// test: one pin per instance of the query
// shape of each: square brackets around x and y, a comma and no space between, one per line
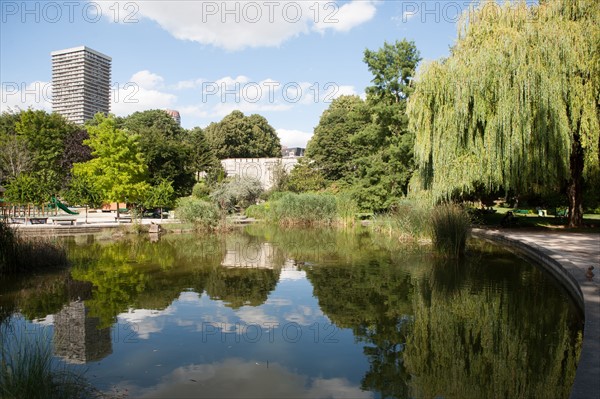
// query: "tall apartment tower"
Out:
[80,83]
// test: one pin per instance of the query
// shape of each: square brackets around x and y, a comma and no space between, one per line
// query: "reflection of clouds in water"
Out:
[278,302]
[250,315]
[236,378]
[304,315]
[292,275]
[189,296]
[145,321]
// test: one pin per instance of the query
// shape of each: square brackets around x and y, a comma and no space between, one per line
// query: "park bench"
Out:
[123,219]
[29,219]
[60,220]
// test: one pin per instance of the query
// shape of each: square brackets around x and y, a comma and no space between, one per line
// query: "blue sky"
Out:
[285,60]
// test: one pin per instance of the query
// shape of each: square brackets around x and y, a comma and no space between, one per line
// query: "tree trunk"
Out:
[574,190]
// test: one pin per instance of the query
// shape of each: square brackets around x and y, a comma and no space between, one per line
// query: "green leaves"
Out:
[513,102]
[240,136]
[118,170]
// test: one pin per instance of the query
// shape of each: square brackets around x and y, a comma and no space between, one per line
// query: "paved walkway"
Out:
[568,255]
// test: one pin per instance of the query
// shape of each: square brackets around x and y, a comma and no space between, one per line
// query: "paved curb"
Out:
[586,293]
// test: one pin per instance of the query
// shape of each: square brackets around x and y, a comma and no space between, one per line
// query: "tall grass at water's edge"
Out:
[447,226]
[451,225]
[18,254]
[28,370]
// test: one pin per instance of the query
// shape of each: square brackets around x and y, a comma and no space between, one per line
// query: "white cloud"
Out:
[147,80]
[293,138]
[140,93]
[346,17]
[235,25]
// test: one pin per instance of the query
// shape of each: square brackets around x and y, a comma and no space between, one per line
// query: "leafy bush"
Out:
[201,190]
[450,229]
[201,213]
[238,192]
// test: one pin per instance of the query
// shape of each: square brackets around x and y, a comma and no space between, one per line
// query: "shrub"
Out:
[238,192]
[201,190]
[201,213]
[450,229]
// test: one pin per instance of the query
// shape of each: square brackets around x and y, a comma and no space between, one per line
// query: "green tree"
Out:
[203,158]
[516,105]
[118,170]
[305,176]
[45,135]
[161,196]
[163,142]
[240,136]
[384,149]
[83,191]
[330,145]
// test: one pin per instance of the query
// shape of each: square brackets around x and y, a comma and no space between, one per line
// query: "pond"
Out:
[265,312]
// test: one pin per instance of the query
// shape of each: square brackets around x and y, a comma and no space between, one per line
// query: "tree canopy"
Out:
[166,151]
[516,105]
[118,170]
[365,146]
[240,136]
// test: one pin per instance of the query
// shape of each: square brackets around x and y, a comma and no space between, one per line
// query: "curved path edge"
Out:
[567,257]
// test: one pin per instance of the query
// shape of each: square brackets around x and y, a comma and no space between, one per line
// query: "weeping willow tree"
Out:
[516,105]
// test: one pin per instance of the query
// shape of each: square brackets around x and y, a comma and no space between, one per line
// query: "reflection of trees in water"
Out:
[237,287]
[502,334]
[142,274]
[485,327]
[471,329]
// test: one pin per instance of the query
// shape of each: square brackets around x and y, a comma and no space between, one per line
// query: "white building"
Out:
[262,169]
[80,83]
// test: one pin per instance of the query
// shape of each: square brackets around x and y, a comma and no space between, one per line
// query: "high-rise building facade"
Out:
[175,115]
[80,83]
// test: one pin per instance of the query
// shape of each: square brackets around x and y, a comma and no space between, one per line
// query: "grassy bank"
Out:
[19,254]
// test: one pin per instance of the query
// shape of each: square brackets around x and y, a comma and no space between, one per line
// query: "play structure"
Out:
[54,201]
[11,210]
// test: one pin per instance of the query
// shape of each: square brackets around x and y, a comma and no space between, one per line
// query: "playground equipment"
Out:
[54,201]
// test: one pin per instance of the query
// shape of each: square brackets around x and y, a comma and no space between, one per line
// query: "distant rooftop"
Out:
[80,48]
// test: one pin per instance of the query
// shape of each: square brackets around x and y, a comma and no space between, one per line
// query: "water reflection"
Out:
[241,378]
[78,337]
[333,314]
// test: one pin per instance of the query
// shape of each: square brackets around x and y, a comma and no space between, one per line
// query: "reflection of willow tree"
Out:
[241,286]
[490,340]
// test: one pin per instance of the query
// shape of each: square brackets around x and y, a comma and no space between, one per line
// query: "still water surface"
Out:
[277,313]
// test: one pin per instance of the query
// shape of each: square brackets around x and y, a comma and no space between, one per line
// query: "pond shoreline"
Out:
[567,256]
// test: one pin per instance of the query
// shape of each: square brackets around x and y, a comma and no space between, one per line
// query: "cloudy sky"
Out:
[285,60]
